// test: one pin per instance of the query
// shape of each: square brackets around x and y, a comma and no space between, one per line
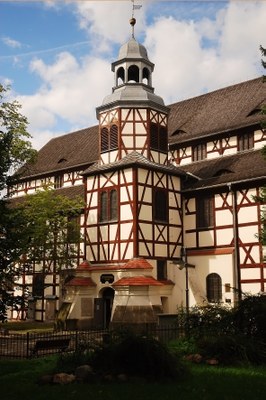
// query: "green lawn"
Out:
[18,380]
[28,326]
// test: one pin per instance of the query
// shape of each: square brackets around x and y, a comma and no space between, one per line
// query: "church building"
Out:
[170,215]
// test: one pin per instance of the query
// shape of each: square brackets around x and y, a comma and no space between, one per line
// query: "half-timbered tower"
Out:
[133,215]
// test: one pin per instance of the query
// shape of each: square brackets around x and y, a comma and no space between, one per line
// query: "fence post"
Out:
[28,344]
[76,341]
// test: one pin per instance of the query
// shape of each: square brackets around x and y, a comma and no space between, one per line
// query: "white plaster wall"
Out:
[250,273]
[125,229]
[224,236]
[251,288]
[247,214]
[125,212]
[145,212]
[223,217]
[146,230]
[222,264]
[206,238]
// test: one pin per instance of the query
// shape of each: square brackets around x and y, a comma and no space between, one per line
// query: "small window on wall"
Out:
[161,270]
[199,152]
[246,141]
[108,206]
[58,181]
[160,205]
[204,212]
[214,288]
[38,285]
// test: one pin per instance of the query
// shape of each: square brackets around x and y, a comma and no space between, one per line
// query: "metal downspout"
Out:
[238,293]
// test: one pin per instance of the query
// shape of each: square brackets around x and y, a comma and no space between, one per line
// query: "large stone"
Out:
[63,379]
[83,373]
[212,361]
[195,358]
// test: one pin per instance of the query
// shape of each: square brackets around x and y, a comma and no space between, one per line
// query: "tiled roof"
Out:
[84,266]
[137,281]
[166,282]
[71,192]
[137,263]
[237,168]
[75,149]
[81,282]
[133,159]
[225,109]
[134,263]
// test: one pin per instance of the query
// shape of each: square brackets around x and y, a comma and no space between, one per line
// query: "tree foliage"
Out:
[51,227]
[15,150]
[15,145]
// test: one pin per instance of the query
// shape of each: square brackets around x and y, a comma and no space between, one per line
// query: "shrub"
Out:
[126,353]
[250,317]
[232,349]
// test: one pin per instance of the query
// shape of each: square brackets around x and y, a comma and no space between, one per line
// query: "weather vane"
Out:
[133,20]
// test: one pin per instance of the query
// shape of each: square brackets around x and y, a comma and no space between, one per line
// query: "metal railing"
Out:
[19,345]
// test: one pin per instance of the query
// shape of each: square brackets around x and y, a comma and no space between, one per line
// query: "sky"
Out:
[56,55]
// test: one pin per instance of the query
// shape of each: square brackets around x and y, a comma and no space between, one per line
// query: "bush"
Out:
[127,353]
[250,317]
[232,349]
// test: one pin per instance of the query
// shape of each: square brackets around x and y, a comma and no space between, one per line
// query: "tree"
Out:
[49,226]
[15,150]
[51,229]
[15,145]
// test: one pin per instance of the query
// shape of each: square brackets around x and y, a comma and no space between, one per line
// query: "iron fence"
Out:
[19,345]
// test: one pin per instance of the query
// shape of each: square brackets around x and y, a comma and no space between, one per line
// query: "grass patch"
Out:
[26,326]
[18,380]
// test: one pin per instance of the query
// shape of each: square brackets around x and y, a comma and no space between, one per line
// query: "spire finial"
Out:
[133,20]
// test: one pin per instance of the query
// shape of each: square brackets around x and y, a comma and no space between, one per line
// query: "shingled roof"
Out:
[74,150]
[220,111]
[223,110]
[133,159]
[236,169]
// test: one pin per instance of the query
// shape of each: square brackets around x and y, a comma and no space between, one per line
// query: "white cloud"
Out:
[70,92]
[107,22]
[186,67]
[190,57]
[11,42]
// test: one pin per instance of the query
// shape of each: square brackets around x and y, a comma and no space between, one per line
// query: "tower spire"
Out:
[133,19]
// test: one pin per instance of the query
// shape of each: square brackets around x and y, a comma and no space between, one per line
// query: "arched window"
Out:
[104,139]
[146,76]
[113,137]
[109,138]
[133,74]
[158,137]
[120,76]
[214,288]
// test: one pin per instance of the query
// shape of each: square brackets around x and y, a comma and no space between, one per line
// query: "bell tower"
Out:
[133,117]
[132,222]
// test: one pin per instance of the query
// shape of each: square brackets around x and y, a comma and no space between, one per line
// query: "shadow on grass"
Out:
[18,380]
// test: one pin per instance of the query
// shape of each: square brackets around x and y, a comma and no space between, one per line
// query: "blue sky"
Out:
[56,54]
